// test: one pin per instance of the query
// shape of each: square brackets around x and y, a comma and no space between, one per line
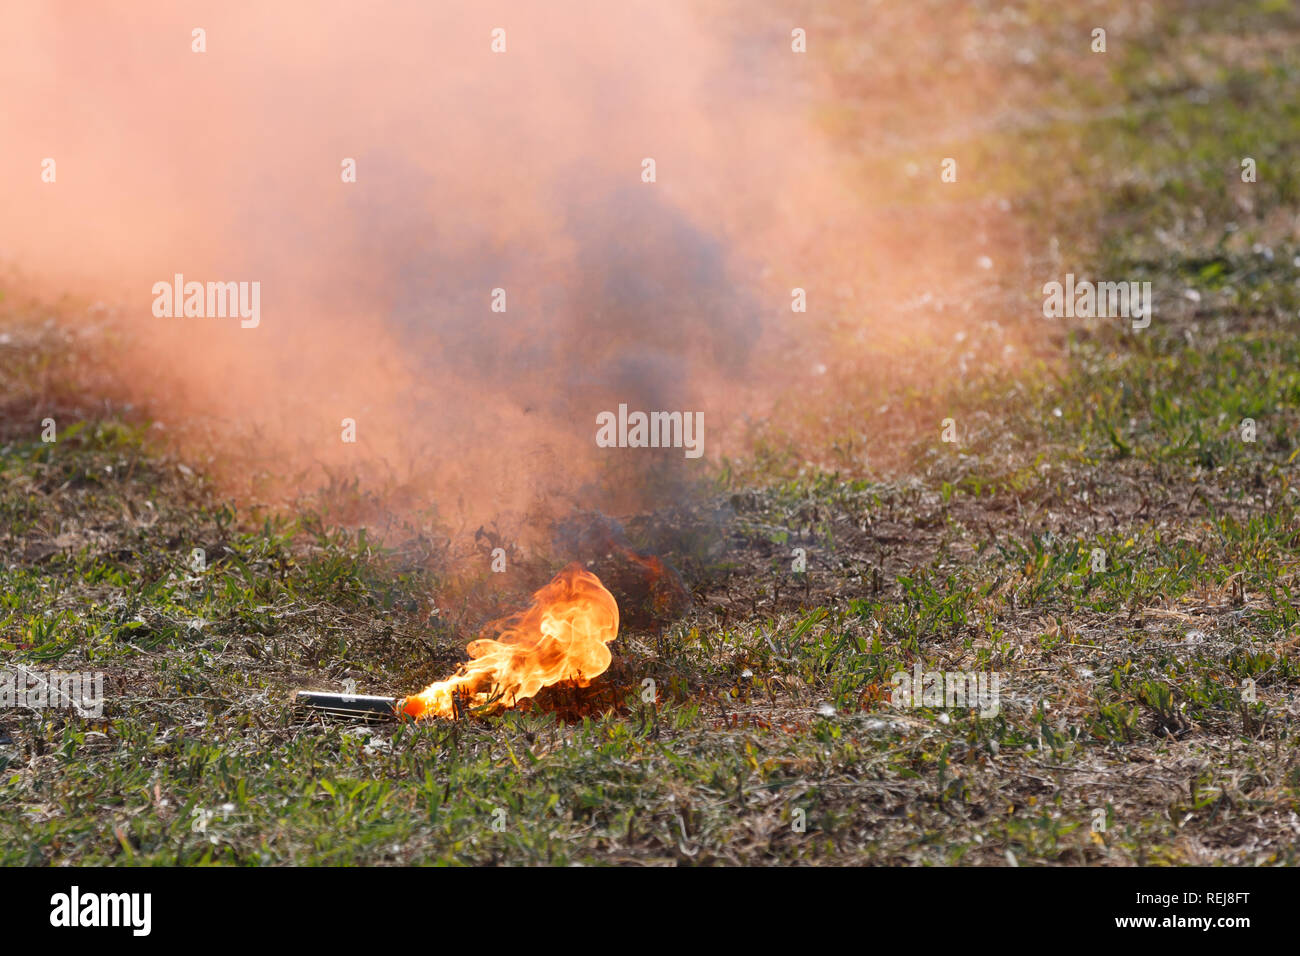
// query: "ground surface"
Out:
[1123,691]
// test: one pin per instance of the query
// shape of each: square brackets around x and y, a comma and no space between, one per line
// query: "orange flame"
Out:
[562,637]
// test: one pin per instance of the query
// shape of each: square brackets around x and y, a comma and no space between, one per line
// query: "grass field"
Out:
[1125,682]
